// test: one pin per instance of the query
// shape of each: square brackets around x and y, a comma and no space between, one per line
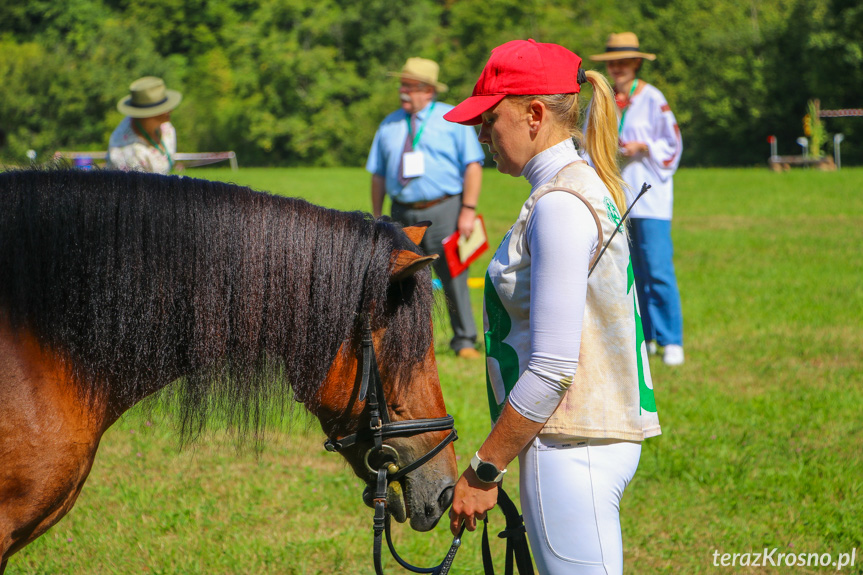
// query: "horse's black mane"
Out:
[140,279]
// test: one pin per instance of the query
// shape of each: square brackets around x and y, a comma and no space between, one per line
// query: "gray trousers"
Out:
[444,218]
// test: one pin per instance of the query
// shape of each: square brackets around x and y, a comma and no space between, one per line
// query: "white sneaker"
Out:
[652,348]
[672,355]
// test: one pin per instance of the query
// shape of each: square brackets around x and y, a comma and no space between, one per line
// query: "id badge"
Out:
[413,164]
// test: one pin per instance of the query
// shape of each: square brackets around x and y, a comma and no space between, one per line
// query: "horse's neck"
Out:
[37,381]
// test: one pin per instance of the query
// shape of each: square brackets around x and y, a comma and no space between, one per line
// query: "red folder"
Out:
[474,249]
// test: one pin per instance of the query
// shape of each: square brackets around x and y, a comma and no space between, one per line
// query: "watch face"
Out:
[487,472]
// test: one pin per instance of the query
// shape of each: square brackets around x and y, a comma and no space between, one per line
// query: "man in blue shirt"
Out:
[432,171]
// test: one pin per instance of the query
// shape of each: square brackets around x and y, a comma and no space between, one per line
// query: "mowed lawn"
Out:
[762,443]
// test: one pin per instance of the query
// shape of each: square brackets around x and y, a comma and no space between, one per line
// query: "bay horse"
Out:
[114,285]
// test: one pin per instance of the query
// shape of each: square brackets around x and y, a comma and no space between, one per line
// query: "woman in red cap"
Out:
[569,385]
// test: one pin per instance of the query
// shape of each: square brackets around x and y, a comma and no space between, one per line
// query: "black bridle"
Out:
[381,428]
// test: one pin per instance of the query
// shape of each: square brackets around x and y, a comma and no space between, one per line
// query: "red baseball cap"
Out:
[520,67]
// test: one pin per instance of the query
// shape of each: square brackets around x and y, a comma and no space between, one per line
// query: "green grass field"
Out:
[762,441]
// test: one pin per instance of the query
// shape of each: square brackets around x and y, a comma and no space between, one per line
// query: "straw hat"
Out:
[421,70]
[621,46]
[147,98]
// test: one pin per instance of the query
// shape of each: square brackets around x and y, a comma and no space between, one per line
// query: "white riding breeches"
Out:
[570,498]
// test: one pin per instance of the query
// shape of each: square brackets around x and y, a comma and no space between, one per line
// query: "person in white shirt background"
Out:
[650,143]
[145,140]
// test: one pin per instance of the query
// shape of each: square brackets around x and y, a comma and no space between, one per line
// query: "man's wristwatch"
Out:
[486,472]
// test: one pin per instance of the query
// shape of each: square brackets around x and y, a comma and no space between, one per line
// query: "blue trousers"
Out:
[655,281]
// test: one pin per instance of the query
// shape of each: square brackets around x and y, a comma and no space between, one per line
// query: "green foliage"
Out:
[303,82]
[816,134]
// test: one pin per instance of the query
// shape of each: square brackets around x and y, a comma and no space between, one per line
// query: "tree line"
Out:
[303,82]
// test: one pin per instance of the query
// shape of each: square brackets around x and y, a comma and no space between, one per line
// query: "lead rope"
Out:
[516,539]
[441,569]
[381,521]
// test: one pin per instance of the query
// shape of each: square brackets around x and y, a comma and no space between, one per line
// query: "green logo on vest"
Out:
[647,400]
[499,326]
[611,209]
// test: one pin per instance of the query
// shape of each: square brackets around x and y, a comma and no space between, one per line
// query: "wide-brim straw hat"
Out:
[421,70]
[621,46]
[148,97]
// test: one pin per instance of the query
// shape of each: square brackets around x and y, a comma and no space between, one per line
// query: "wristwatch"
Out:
[486,471]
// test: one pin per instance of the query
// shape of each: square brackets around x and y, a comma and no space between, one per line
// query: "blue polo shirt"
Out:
[447,150]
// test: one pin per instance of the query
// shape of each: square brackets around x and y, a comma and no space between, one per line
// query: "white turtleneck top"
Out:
[562,238]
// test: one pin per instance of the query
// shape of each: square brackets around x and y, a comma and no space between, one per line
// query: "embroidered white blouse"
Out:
[129,151]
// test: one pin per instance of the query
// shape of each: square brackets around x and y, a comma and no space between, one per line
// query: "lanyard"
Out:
[162,148]
[422,126]
[628,100]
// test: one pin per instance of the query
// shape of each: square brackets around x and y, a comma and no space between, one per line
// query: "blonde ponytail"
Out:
[601,140]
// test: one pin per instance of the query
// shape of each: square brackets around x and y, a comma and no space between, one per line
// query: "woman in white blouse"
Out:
[651,145]
[145,140]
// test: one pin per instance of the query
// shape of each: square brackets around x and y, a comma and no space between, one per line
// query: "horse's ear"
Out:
[416,232]
[405,263]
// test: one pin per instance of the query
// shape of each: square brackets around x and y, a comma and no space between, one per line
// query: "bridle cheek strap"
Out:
[380,428]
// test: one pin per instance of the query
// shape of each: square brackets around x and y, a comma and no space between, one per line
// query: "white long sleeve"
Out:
[562,239]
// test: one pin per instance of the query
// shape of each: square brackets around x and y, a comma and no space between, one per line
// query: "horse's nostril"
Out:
[445,499]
